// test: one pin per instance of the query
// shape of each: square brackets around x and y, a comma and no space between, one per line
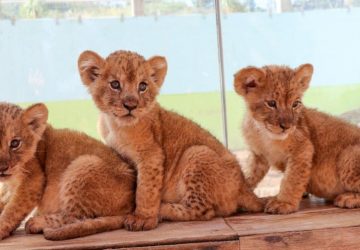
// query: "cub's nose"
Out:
[130,107]
[284,125]
[130,103]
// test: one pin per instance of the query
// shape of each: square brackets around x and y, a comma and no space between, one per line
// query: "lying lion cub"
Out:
[318,153]
[72,178]
[179,163]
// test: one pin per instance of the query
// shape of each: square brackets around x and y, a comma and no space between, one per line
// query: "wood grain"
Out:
[165,234]
[317,220]
[325,239]
[223,245]
[312,216]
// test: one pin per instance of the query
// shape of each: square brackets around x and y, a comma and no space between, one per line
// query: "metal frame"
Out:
[221,72]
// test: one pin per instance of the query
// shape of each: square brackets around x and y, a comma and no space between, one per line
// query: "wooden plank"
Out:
[312,216]
[326,239]
[165,234]
[222,245]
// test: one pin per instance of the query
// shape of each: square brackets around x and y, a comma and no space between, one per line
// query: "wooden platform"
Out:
[317,226]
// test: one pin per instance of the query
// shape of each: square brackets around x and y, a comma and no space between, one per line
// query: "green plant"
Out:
[234,6]
[32,9]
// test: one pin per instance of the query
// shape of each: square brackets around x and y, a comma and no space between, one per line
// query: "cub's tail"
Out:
[84,228]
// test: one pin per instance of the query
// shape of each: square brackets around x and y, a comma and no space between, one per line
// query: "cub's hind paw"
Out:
[139,223]
[275,206]
[348,200]
[35,225]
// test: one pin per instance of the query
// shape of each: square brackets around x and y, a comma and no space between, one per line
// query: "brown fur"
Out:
[318,153]
[69,176]
[183,171]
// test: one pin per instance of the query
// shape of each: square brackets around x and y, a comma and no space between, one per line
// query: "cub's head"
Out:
[20,132]
[124,85]
[273,96]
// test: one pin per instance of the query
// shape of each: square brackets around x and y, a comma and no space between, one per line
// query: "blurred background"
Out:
[40,41]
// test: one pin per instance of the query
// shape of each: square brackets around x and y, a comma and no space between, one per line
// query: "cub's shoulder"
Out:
[171,118]
[179,126]
[68,137]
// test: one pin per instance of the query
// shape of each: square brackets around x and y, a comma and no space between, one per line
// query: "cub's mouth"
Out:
[4,175]
[128,115]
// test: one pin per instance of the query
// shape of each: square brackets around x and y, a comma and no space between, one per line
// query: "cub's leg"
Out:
[294,183]
[150,174]
[5,195]
[209,188]
[89,189]
[348,168]
[24,199]
[256,169]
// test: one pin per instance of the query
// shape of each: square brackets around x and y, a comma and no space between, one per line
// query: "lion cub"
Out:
[184,173]
[318,153]
[72,178]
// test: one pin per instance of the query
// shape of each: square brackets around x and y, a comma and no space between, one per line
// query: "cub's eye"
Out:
[15,144]
[271,104]
[296,104]
[142,86]
[115,85]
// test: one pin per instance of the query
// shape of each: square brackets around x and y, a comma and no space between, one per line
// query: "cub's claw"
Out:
[35,225]
[139,223]
[275,206]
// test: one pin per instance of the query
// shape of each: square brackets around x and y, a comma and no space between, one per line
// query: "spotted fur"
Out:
[318,153]
[79,185]
[184,173]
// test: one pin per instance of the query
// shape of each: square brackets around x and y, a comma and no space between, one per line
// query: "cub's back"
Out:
[329,134]
[65,145]
[179,133]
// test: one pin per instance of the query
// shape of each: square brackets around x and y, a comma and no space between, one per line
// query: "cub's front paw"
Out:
[139,223]
[35,225]
[275,206]
[348,200]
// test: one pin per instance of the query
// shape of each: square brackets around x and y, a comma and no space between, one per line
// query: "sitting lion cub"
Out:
[318,153]
[179,163]
[72,178]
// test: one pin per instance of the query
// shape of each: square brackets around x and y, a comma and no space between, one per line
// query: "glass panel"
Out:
[41,41]
[324,33]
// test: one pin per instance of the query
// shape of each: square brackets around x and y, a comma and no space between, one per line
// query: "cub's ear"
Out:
[248,79]
[89,65]
[303,75]
[36,117]
[158,66]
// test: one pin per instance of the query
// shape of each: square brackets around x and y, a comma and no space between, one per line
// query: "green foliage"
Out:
[32,9]
[160,7]
[233,6]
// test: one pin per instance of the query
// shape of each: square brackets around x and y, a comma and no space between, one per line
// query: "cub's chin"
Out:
[126,120]
[272,133]
[280,135]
